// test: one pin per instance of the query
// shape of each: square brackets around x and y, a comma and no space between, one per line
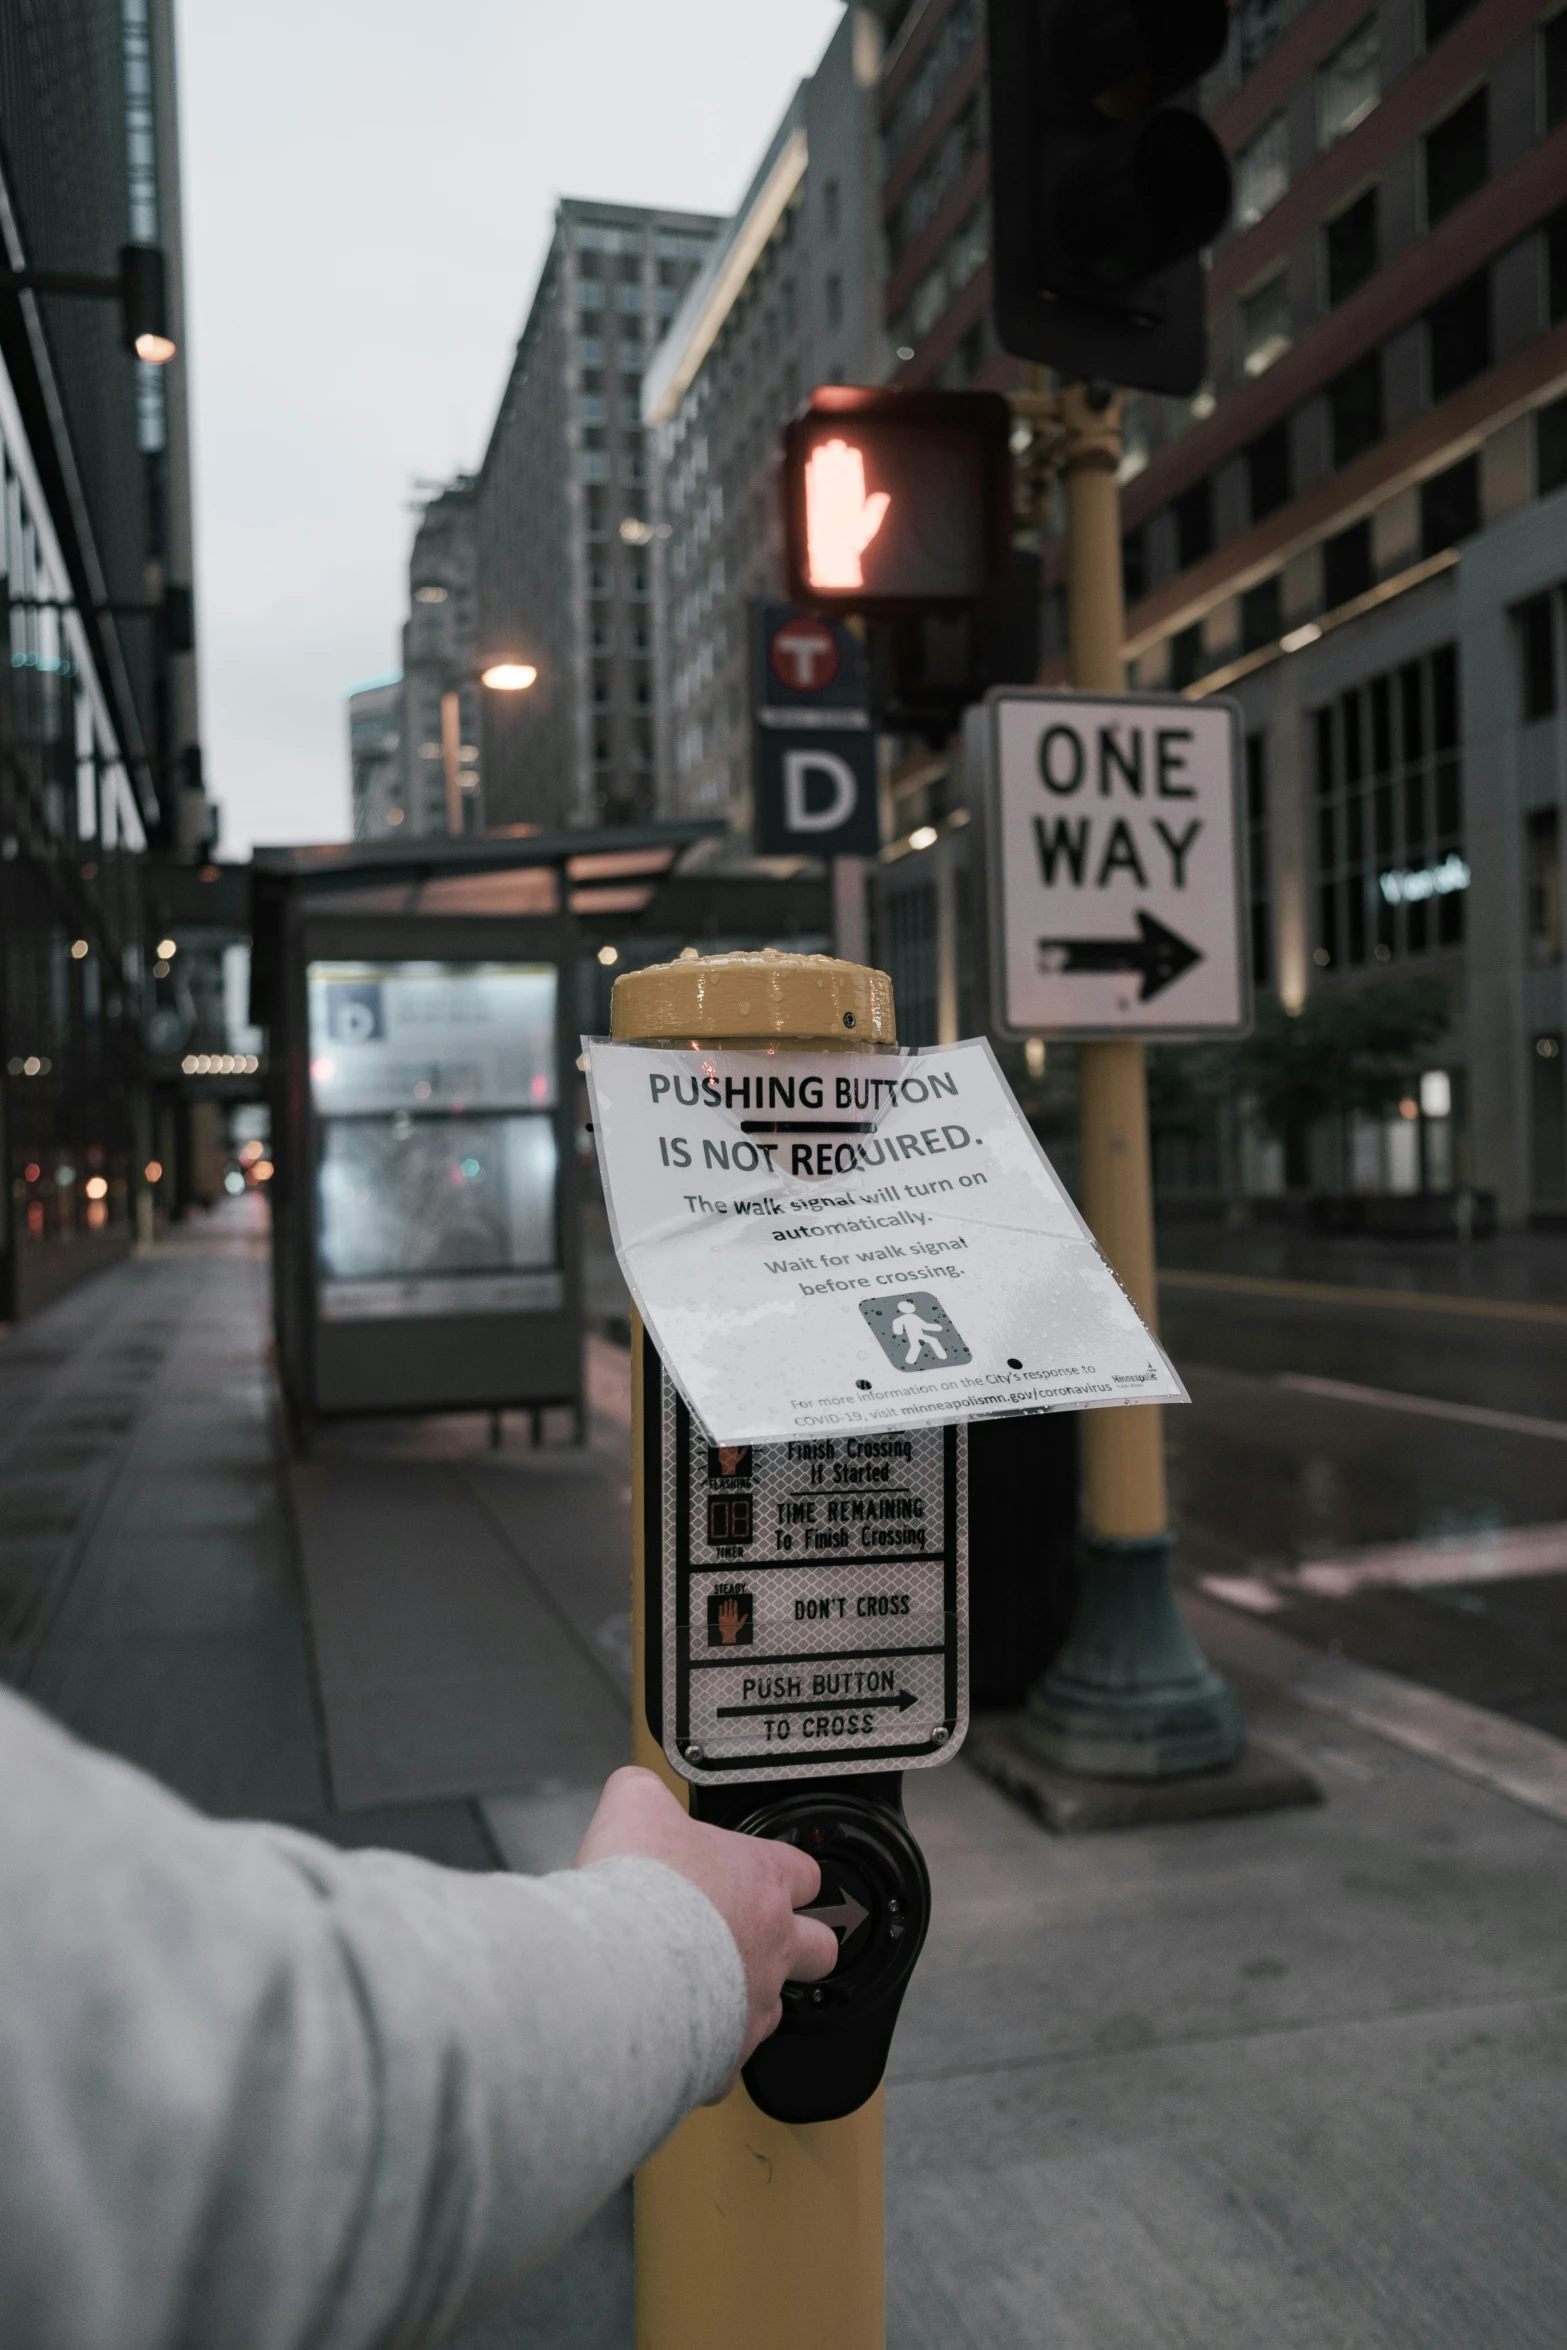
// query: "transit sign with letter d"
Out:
[1115,855]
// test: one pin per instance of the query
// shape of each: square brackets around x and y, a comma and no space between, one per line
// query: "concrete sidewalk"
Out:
[1291,2080]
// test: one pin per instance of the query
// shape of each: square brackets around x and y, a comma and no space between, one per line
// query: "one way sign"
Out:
[1116,863]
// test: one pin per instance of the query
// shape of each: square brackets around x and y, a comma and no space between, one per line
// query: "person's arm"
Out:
[260,2093]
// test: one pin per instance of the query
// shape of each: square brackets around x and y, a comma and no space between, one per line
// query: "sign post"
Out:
[841,1255]
[749,2227]
[817,789]
[1131,1695]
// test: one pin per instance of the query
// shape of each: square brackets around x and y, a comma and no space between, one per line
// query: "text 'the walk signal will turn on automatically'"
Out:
[1103,193]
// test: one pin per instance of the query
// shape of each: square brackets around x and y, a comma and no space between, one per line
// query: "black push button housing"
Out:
[830,2051]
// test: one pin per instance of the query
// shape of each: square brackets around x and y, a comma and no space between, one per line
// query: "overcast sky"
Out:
[369,186]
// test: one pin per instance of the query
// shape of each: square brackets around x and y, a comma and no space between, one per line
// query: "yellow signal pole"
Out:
[1132,1695]
[751,2234]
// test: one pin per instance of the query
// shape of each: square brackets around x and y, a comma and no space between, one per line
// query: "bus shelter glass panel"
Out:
[435,1093]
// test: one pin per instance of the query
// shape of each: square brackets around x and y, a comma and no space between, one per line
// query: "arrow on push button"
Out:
[845,1916]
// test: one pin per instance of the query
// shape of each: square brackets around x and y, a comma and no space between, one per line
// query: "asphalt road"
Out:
[1371,1427]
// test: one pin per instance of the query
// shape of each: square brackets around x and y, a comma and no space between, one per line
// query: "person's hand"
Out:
[755,1884]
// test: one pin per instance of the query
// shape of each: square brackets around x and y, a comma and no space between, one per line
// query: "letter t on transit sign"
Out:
[1115,851]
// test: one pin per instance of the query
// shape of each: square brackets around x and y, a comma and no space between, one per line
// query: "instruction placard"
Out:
[832,1244]
[813,1597]
[1116,841]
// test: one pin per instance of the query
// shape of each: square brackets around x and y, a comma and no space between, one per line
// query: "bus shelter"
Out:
[422,1010]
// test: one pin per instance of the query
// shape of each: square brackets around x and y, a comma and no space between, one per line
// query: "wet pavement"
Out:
[1301,1445]
[1295,2078]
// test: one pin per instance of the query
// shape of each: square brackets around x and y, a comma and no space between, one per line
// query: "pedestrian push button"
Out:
[830,2050]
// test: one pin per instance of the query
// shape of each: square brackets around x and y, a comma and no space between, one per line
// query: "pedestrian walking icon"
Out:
[916,1333]
[919,1333]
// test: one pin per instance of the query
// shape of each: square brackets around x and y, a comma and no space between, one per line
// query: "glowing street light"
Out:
[509,677]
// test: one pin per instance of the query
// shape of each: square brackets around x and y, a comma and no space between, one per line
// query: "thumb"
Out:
[871,516]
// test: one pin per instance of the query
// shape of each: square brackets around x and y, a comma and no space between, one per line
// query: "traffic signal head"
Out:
[1102,194]
[897,501]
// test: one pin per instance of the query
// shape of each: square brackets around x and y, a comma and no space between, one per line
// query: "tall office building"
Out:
[375,759]
[1355,527]
[99,762]
[562,531]
[789,297]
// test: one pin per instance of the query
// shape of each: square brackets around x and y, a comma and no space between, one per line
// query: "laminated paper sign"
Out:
[831,1244]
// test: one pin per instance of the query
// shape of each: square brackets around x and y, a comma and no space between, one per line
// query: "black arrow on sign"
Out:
[1159,954]
[902,1701]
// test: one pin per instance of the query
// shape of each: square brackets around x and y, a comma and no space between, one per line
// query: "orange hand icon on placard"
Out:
[729,1621]
[840,518]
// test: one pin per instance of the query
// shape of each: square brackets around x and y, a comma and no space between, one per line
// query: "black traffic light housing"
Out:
[897,502]
[1103,194]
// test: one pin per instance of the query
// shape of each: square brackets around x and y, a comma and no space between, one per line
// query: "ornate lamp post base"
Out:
[1131,1696]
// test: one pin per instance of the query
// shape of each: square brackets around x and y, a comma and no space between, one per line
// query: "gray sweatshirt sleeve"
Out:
[260,2093]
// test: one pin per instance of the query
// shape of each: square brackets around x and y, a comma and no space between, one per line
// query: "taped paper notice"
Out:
[831,1243]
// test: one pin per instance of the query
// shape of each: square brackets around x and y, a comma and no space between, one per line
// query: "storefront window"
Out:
[1392,873]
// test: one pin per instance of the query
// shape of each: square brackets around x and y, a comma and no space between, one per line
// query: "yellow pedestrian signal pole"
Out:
[751,2234]
[1132,1695]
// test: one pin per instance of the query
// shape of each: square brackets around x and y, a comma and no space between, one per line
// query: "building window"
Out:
[1355,408]
[1458,157]
[1134,565]
[1553,61]
[1262,614]
[1259,867]
[1347,85]
[1450,506]
[1268,470]
[1187,658]
[1441,16]
[1265,324]
[1534,625]
[590,294]
[1549,1105]
[1543,867]
[909,945]
[1550,447]
[1262,173]
[830,207]
[1350,248]
[833,293]
[1556,266]
[1458,335]
[1346,565]
[1194,523]
[1258,24]
[1391,869]
[594,465]
[932,76]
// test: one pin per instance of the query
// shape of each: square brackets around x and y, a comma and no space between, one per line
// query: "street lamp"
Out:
[141,290]
[501,677]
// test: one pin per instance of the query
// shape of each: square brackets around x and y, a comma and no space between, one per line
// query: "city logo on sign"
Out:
[803,655]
